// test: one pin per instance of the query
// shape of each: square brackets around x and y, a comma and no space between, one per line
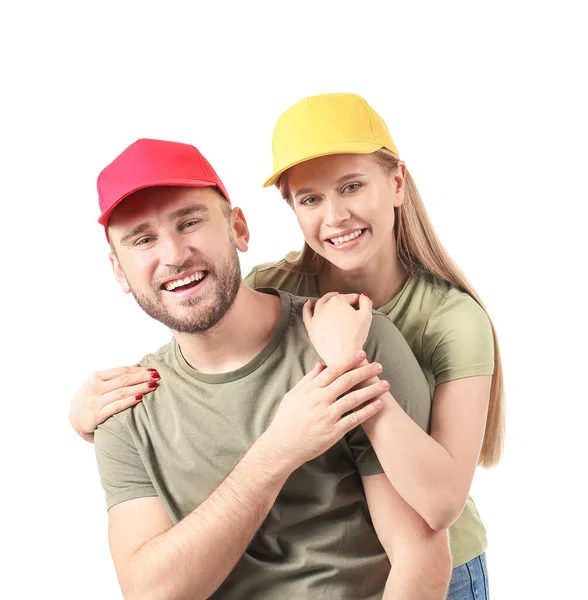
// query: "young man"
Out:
[245,474]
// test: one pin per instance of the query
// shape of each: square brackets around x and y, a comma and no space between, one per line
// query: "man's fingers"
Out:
[359,416]
[312,374]
[332,372]
[349,380]
[356,398]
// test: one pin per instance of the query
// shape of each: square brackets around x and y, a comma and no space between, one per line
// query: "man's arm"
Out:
[190,560]
[154,560]
[420,556]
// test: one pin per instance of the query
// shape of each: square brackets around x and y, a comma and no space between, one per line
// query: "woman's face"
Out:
[345,207]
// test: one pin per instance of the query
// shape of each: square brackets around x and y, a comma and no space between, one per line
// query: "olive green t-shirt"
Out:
[451,337]
[187,435]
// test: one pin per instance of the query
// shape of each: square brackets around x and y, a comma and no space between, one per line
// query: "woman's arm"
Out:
[432,473]
[106,393]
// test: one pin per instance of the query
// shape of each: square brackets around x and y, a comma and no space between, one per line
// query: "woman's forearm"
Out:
[423,472]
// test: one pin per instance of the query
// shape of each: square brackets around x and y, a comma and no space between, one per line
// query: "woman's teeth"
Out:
[345,238]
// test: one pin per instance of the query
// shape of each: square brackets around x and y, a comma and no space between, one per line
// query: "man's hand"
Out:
[337,328]
[321,409]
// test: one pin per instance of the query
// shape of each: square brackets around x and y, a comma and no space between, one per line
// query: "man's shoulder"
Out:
[161,360]
[163,355]
[383,329]
[276,274]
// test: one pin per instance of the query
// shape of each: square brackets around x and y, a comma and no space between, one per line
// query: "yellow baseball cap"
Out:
[327,124]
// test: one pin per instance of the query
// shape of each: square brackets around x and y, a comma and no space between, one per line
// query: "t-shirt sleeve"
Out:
[458,340]
[365,456]
[408,383]
[121,469]
[408,386]
[250,279]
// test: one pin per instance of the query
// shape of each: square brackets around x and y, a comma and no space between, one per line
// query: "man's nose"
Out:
[175,250]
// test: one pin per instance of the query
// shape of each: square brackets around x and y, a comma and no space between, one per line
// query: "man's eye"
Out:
[143,241]
[190,223]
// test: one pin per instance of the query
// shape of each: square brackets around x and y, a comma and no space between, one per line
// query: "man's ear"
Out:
[118,273]
[399,183]
[240,230]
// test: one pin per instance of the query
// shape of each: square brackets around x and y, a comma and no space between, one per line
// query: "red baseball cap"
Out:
[150,163]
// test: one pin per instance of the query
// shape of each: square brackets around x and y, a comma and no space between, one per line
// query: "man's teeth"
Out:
[172,285]
[346,238]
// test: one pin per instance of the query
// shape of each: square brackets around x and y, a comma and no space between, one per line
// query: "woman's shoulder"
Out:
[457,336]
[437,297]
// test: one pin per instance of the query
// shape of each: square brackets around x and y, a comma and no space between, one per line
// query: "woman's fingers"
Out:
[109,374]
[113,407]
[124,379]
[307,315]
[123,393]
[365,303]
[324,299]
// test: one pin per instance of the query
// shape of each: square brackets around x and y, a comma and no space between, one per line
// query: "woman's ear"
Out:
[399,183]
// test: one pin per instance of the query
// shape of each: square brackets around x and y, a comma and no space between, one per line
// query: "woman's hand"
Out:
[106,393]
[336,329]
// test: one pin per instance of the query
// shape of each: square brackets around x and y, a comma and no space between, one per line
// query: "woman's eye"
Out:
[351,187]
[309,201]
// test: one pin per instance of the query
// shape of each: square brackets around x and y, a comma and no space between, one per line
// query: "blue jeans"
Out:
[470,581]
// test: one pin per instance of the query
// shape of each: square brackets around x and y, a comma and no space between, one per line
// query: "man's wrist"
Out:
[268,454]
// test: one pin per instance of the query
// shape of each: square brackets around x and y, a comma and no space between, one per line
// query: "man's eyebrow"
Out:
[133,232]
[339,181]
[189,210]
[182,212]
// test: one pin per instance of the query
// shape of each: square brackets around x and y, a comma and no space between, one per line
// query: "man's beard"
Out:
[226,287]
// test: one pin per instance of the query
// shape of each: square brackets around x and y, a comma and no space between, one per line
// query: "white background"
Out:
[487,104]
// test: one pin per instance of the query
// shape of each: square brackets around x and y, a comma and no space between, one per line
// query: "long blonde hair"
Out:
[419,250]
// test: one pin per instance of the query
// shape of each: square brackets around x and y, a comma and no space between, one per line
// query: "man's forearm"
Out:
[195,556]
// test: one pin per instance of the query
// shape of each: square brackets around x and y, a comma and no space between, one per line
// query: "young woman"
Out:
[366,231]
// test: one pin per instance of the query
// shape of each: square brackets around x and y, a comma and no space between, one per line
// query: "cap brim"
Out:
[342,148]
[103,220]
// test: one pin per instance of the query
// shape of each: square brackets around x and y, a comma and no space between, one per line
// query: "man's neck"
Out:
[241,335]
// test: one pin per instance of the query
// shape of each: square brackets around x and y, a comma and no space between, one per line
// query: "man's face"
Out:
[175,250]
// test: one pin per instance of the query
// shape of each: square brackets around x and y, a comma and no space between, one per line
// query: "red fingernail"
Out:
[138,396]
[152,385]
[155,375]
[364,294]
[152,370]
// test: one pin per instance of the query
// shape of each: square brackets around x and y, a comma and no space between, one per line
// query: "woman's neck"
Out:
[381,279]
